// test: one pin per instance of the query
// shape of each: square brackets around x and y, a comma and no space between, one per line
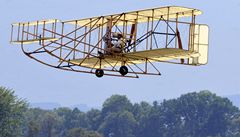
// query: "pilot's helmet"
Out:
[120,36]
[117,35]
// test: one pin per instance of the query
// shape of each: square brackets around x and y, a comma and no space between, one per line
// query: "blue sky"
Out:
[38,83]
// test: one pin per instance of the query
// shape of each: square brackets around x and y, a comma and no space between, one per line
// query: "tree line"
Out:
[197,114]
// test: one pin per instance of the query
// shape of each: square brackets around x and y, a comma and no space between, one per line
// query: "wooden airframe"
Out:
[166,34]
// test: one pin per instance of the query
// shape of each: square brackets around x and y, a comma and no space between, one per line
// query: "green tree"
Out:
[214,113]
[33,120]
[11,113]
[197,114]
[94,119]
[80,132]
[141,110]
[121,124]
[64,115]
[118,120]
[50,124]
[150,123]
[33,129]
[116,103]
[63,112]
[234,127]
[76,119]
[201,114]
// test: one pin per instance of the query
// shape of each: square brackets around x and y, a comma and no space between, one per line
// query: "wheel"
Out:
[99,73]
[123,70]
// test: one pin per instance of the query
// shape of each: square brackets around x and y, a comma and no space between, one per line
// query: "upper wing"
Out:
[156,55]
[170,12]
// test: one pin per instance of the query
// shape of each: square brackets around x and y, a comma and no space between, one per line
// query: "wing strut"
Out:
[180,44]
[132,34]
[107,37]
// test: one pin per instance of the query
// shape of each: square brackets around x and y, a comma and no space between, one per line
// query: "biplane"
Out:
[128,44]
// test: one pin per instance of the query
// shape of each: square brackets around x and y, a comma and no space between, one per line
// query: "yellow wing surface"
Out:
[170,12]
[157,55]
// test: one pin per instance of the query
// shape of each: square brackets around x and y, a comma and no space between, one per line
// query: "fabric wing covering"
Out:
[170,12]
[157,55]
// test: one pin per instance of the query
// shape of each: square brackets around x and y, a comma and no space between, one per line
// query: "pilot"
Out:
[116,44]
